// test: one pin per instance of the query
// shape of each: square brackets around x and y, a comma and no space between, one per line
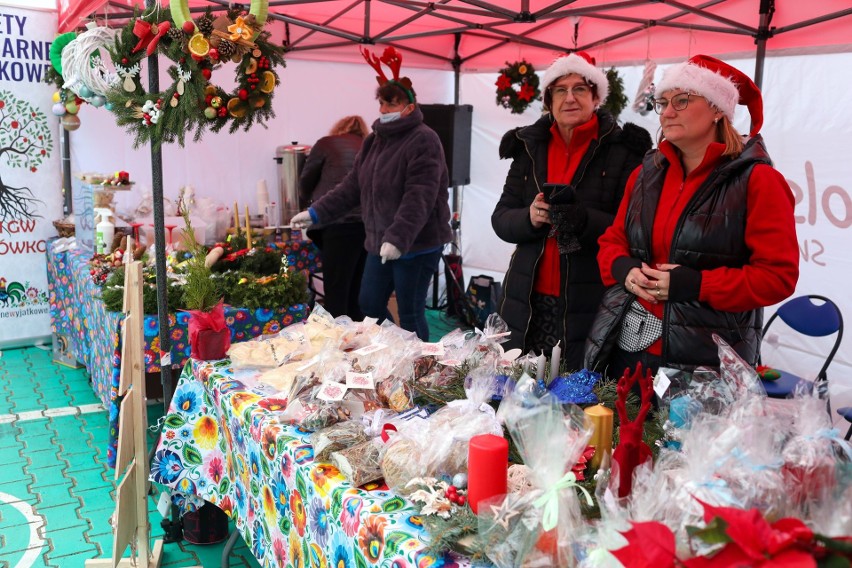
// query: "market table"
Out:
[221,442]
[93,333]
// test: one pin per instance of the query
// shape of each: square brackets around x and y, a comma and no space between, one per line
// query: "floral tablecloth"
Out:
[93,333]
[221,442]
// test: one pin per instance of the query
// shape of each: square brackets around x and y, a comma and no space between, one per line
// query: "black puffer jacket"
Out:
[599,184]
[329,161]
[709,234]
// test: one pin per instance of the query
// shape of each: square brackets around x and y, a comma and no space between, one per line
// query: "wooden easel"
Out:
[131,526]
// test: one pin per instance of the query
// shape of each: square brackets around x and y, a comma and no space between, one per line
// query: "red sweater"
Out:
[562,163]
[770,235]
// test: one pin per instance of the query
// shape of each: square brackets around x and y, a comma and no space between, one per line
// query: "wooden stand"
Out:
[130,521]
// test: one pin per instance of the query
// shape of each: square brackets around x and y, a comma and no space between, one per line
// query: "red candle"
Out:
[487,468]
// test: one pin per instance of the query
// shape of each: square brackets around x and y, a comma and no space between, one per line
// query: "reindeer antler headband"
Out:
[393,59]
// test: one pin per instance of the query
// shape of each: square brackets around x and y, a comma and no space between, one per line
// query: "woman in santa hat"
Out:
[577,156]
[705,237]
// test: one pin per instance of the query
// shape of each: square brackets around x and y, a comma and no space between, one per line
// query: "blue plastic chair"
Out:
[815,320]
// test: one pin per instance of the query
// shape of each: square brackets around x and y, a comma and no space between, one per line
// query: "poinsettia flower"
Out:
[527,93]
[649,545]
[503,82]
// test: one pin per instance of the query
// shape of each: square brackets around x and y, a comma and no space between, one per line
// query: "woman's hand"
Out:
[539,212]
[650,284]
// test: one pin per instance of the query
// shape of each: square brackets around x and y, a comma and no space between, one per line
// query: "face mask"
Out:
[389,117]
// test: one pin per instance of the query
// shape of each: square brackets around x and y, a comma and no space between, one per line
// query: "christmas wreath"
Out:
[518,73]
[191,103]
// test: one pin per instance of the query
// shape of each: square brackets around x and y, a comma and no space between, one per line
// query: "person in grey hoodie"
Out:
[400,181]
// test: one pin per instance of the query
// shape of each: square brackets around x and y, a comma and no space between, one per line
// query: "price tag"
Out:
[324,322]
[164,504]
[450,362]
[435,349]
[661,383]
[359,380]
[372,348]
[331,392]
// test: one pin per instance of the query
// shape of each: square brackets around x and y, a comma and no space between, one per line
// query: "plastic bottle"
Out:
[104,231]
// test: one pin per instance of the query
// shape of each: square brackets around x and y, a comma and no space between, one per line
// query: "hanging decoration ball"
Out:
[216,102]
[70,122]
[71,107]
[57,97]
[108,106]
[97,101]
[210,112]
[58,109]
[85,92]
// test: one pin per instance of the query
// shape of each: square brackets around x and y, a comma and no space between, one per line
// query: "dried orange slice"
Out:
[237,108]
[268,83]
[199,46]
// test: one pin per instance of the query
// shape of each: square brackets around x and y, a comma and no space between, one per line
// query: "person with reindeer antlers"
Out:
[400,181]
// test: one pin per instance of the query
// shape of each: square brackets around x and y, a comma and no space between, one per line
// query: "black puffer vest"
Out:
[710,234]
[599,184]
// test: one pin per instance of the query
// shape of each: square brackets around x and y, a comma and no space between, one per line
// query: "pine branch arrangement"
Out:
[200,291]
[617,100]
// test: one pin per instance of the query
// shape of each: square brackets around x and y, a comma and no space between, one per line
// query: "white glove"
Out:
[301,220]
[389,252]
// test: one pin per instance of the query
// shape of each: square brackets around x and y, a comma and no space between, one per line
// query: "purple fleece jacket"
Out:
[400,180]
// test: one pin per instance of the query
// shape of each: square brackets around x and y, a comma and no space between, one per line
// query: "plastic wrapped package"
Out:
[337,437]
[814,457]
[538,528]
[360,463]
[268,352]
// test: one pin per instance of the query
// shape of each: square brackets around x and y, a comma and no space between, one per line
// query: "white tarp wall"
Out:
[807,129]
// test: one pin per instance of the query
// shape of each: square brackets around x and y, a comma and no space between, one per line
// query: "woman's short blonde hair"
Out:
[350,125]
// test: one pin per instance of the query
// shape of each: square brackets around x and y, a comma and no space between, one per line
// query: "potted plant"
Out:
[209,336]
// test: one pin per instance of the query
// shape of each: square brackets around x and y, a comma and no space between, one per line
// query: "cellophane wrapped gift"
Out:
[337,437]
[360,463]
[814,458]
[539,527]
[438,446]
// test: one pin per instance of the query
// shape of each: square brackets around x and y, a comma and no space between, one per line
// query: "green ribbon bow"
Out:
[550,500]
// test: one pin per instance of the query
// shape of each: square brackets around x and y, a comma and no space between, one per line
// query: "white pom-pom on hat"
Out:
[582,64]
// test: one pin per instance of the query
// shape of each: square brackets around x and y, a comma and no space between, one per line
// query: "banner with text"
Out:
[30,180]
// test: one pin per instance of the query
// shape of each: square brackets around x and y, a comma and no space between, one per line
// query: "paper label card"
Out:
[436,349]
[331,392]
[450,362]
[359,380]
[661,383]
[372,348]
[324,322]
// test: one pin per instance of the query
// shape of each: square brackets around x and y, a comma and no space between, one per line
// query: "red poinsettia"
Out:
[526,93]
[748,538]
[503,82]
[579,468]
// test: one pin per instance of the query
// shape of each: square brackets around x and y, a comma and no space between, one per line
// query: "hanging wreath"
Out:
[518,73]
[191,104]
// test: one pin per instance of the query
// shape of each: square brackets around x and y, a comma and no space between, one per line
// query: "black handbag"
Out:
[483,293]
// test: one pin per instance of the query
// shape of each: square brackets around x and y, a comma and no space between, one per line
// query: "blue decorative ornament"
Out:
[97,101]
[577,388]
[85,92]
[108,106]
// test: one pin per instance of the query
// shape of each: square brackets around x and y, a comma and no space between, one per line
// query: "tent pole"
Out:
[455,223]
[767,8]
[173,531]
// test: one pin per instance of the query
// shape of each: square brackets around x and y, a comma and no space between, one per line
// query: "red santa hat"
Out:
[582,64]
[722,85]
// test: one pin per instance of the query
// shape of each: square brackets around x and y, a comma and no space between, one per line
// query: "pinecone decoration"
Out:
[205,25]
[226,49]
[175,34]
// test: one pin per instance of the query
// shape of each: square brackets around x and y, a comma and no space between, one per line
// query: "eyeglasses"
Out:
[679,102]
[579,91]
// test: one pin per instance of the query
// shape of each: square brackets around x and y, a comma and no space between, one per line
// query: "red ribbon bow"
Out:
[149,35]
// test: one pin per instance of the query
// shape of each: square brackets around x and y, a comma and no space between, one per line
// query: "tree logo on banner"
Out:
[25,142]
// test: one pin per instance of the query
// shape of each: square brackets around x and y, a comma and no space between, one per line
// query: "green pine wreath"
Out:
[519,73]
[191,103]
